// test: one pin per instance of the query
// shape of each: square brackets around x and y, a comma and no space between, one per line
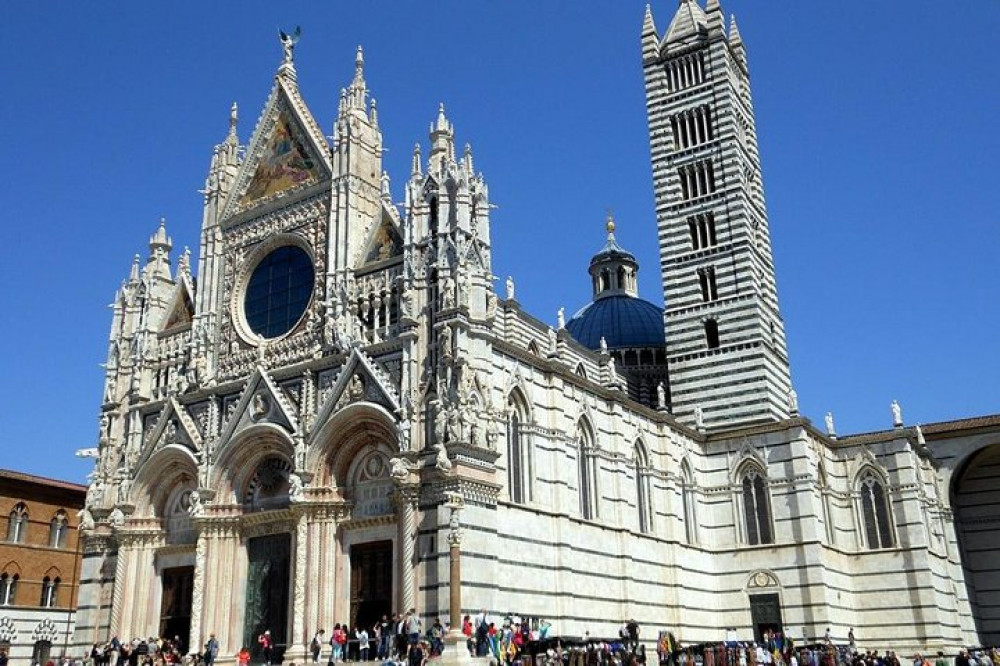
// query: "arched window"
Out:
[57,530]
[641,462]
[756,507]
[518,458]
[585,475]
[18,524]
[875,511]
[688,504]
[8,589]
[50,587]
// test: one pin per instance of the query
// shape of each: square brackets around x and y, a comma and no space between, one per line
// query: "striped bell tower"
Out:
[726,351]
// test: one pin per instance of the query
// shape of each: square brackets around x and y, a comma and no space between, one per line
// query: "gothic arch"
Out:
[519,460]
[158,476]
[643,503]
[238,463]
[586,443]
[346,434]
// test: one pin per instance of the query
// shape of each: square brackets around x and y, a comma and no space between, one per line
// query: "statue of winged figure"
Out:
[288,42]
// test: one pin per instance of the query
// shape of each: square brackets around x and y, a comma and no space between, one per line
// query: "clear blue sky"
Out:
[877,125]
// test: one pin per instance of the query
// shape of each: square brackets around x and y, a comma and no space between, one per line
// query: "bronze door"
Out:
[267,594]
[765,614]
[175,604]
[371,583]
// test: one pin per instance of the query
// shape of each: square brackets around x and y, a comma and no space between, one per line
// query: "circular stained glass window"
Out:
[279,291]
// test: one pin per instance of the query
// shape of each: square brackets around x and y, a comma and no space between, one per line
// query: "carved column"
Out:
[122,561]
[405,498]
[196,640]
[297,641]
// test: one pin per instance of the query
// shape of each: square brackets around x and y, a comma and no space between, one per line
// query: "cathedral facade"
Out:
[283,440]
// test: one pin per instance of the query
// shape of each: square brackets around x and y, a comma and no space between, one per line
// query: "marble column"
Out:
[197,595]
[297,642]
[405,498]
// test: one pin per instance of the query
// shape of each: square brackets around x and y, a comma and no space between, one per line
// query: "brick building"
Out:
[39,565]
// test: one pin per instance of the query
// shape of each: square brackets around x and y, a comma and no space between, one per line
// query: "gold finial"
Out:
[609,223]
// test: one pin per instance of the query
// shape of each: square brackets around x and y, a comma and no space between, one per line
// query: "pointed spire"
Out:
[184,263]
[358,90]
[415,167]
[442,141]
[716,17]
[650,39]
[133,274]
[689,21]
[734,32]
[467,160]
[160,240]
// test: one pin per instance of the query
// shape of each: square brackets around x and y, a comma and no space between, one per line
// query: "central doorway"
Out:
[175,604]
[267,594]
[371,583]
[765,614]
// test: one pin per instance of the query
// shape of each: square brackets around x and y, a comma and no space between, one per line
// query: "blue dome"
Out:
[623,321]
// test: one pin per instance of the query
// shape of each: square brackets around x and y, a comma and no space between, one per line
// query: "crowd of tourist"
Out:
[402,640]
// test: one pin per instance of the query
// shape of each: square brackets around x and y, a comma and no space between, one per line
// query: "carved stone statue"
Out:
[398,470]
[699,417]
[442,462]
[295,487]
[604,345]
[448,293]
[259,406]
[553,340]
[356,388]
[492,431]
[491,303]
[288,43]
[440,424]
[830,430]
[86,519]
[117,517]
[403,434]
[561,318]
[454,425]
[195,506]
[661,396]
[475,432]
[510,288]
[897,414]
[124,490]
[95,494]
[445,344]
[793,402]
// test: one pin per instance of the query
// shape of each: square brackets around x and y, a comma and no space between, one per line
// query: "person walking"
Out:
[211,650]
[266,646]
[413,626]
[316,646]
[363,646]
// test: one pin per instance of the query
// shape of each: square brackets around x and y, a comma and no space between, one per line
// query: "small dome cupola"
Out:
[614,271]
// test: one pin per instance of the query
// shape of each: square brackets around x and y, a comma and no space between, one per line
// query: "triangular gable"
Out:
[173,427]
[384,242]
[287,151]
[261,402]
[359,379]
[181,310]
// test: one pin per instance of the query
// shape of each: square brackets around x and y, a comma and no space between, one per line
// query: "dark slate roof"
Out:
[623,321]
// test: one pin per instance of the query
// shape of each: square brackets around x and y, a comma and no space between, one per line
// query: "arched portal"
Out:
[976,503]
[351,456]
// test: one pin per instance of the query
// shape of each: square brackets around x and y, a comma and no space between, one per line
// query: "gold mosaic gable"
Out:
[285,162]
